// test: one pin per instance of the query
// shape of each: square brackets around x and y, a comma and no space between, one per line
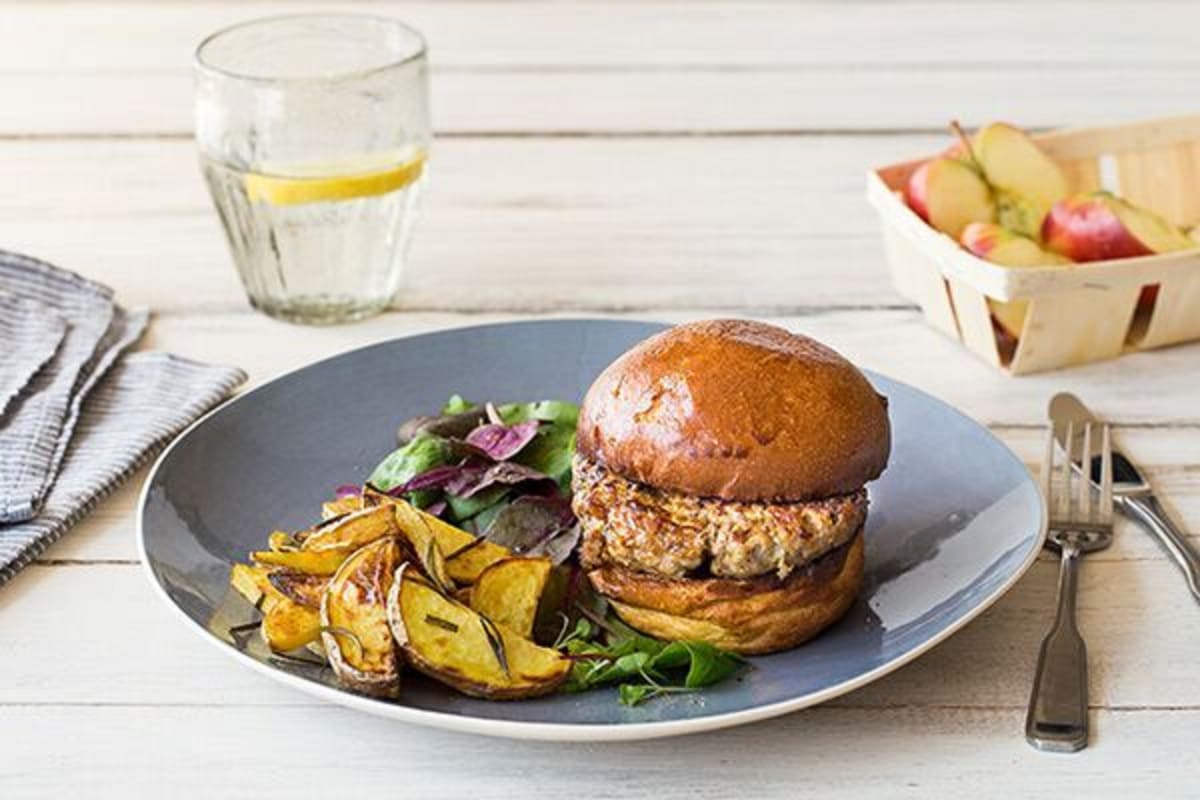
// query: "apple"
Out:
[1000,245]
[949,194]
[1100,226]
[1026,181]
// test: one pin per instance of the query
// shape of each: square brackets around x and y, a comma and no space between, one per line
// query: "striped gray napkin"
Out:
[139,406]
[77,415]
[39,416]
[31,337]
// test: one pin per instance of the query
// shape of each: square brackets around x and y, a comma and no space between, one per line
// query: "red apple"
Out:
[1100,226]
[949,194]
[1002,246]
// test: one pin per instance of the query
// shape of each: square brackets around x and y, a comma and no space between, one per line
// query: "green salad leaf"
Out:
[551,452]
[420,455]
[643,668]
[465,508]
[458,405]
[555,411]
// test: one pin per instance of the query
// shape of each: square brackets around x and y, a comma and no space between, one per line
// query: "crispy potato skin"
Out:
[299,587]
[761,615]
[461,657]
[356,600]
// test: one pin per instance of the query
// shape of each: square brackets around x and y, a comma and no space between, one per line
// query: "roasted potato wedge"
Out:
[281,541]
[289,625]
[508,592]
[354,624]
[286,624]
[253,583]
[466,555]
[341,505]
[312,562]
[352,531]
[452,644]
[299,587]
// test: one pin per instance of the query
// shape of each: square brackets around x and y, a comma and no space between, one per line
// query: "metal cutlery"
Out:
[1133,495]
[1058,707]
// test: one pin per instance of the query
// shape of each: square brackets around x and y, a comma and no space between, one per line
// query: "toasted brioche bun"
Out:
[736,410]
[760,615]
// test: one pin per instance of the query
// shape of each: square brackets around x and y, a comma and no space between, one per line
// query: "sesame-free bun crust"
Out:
[736,410]
[760,615]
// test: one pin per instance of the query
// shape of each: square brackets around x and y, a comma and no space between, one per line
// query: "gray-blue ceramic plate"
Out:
[954,522]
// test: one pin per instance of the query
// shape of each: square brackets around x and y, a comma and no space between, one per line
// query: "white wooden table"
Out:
[658,160]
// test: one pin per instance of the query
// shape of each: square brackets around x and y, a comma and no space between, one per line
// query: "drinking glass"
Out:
[314,136]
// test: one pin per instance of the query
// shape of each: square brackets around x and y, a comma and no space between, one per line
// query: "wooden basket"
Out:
[1084,313]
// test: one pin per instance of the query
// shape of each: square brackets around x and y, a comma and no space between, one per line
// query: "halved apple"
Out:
[1101,226]
[950,194]
[1002,246]
[1026,181]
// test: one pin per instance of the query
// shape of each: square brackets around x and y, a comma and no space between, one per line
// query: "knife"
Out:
[1132,494]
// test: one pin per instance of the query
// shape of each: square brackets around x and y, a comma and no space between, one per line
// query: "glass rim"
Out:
[200,64]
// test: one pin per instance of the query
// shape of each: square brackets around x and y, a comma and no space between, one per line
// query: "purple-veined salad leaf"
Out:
[447,426]
[347,490]
[502,442]
[472,480]
[440,477]
[472,460]
[534,525]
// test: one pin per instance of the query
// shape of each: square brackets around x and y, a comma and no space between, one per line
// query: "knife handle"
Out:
[1147,510]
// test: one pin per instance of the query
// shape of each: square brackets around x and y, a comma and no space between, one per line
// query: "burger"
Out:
[719,483]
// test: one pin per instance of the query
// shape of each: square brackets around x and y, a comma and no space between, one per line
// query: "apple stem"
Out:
[965,140]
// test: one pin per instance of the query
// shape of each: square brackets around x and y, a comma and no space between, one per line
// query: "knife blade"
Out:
[1132,493]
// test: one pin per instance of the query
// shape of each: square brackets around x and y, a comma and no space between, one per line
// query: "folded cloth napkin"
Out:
[39,417]
[31,338]
[77,415]
[139,406]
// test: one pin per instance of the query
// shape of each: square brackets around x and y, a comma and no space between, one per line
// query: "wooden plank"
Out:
[131,36]
[1138,617]
[235,753]
[524,66]
[523,224]
[695,101]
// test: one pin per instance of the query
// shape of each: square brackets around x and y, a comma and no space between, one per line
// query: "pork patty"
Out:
[632,525]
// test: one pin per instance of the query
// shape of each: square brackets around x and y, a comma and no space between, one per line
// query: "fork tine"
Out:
[1068,498]
[1086,512]
[1048,471]
[1106,475]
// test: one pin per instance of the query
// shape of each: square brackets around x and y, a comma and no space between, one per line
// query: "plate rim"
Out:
[559,731]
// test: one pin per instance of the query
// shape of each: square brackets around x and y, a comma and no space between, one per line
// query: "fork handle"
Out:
[1148,511]
[1058,708]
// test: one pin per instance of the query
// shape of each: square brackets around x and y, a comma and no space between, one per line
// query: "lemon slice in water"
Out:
[347,179]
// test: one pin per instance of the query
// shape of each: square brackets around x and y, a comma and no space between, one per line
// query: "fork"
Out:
[1058,708]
